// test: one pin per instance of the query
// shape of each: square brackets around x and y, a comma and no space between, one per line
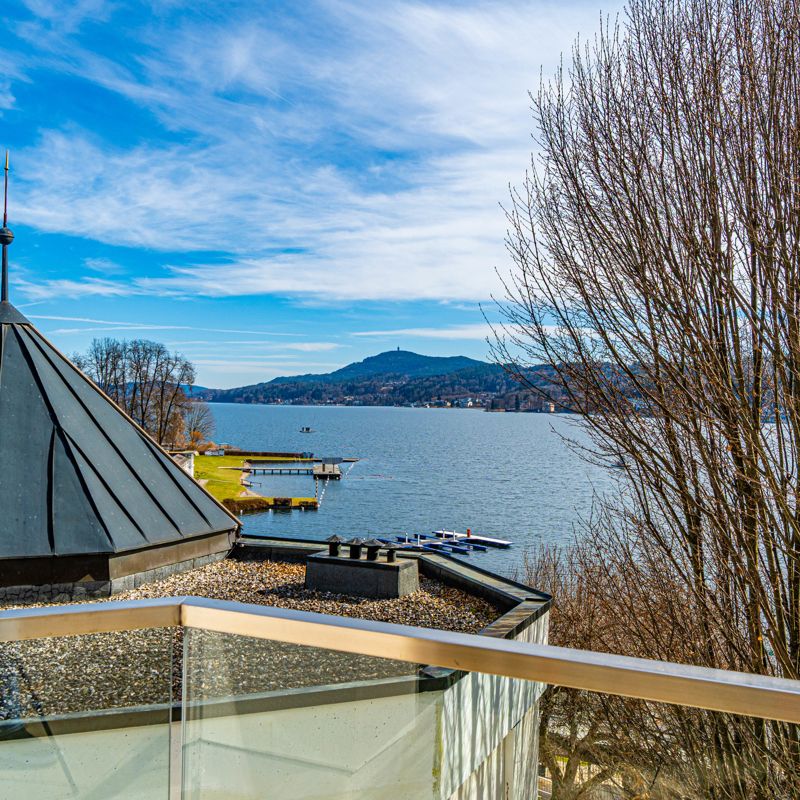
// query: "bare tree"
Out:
[606,601]
[656,244]
[145,380]
[198,423]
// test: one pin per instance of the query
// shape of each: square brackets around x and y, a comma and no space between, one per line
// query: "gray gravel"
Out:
[117,670]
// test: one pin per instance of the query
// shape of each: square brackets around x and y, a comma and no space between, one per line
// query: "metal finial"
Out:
[6,237]
[5,195]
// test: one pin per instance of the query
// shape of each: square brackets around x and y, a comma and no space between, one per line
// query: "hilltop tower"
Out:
[89,503]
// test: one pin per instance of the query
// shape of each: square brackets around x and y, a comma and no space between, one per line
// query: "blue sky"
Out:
[270,188]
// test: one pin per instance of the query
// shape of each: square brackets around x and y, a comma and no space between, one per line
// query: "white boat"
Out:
[489,541]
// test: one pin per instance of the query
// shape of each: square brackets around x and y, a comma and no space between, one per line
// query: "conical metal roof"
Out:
[77,476]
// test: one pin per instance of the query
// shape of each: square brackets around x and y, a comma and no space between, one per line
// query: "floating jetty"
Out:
[256,470]
[472,538]
[433,543]
[435,547]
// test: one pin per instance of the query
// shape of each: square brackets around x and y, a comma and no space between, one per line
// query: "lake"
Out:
[505,475]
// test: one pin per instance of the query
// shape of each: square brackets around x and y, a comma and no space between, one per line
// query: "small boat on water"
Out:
[306,429]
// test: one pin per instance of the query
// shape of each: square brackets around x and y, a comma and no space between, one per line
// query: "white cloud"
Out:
[69,287]
[467,332]
[293,347]
[119,324]
[252,169]
[82,319]
[257,371]
[310,347]
[68,17]
[104,265]
[7,99]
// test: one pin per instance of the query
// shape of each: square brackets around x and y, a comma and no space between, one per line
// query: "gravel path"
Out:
[116,670]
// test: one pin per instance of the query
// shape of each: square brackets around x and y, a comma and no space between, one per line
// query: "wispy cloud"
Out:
[62,18]
[125,325]
[259,346]
[310,347]
[104,265]
[466,332]
[68,287]
[261,370]
[359,157]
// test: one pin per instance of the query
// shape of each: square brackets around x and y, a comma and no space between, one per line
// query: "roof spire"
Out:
[6,237]
[5,195]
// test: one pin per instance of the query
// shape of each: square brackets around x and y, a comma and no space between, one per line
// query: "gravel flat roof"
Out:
[281,584]
[138,668]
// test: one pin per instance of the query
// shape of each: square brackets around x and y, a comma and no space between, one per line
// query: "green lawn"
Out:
[223,475]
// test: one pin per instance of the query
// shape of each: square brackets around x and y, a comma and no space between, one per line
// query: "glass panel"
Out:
[285,722]
[602,747]
[87,716]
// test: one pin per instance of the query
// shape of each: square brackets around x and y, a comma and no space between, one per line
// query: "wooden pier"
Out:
[320,471]
[279,470]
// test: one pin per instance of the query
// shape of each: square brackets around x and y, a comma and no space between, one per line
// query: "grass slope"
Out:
[222,475]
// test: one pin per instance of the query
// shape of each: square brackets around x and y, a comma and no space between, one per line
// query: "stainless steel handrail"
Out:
[698,687]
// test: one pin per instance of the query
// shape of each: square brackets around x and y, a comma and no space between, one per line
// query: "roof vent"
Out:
[364,574]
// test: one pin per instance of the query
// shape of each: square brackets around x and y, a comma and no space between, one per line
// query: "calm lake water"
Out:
[505,475]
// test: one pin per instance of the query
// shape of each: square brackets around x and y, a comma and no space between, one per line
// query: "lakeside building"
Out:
[91,505]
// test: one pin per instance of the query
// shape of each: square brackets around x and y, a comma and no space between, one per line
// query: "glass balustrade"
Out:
[221,708]
[286,722]
[87,716]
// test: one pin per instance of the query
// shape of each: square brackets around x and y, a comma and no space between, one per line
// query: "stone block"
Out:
[99,588]
[124,584]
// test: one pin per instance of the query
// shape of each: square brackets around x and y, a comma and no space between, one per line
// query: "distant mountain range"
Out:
[396,377]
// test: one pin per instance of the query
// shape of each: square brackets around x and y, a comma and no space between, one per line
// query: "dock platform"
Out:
[462,538]
[322,471]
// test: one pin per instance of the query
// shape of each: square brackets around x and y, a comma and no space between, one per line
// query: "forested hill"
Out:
[396,377]
[393,362]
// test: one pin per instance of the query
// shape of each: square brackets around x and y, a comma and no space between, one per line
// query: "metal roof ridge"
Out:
[10,315]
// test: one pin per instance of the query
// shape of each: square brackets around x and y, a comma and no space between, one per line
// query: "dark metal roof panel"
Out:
[25,433]
[112,514]
[78,476]
[171,494]
[10,316]
[105,448]
[76,528]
